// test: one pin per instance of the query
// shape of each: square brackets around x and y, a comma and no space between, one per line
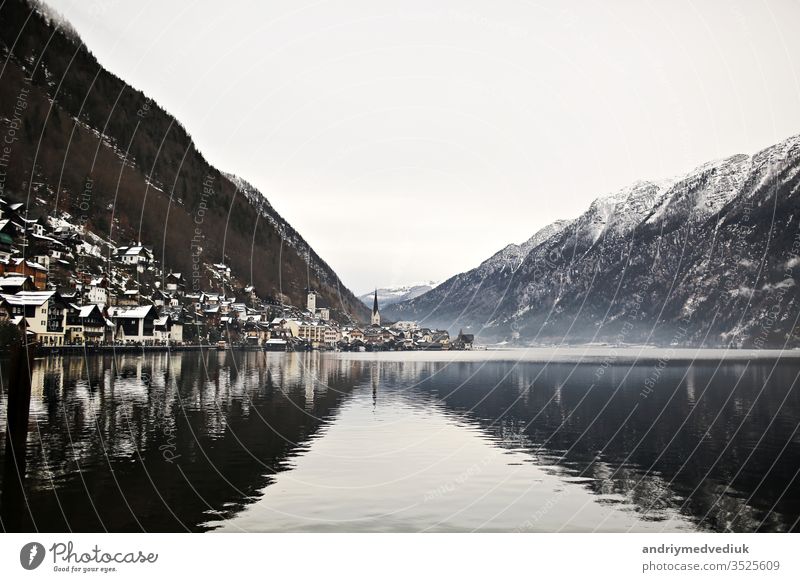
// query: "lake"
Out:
[521,441]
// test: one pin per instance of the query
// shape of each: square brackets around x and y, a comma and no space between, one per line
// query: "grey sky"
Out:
[409,141]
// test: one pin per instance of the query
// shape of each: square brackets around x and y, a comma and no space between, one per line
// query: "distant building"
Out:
[222,271]
[375,335]
[312,332]
[161,299]
[167,330]
[355,334]
[284,328]
[35,226]
[174,283]
[138,255]
[43,260]
[275,344]
[129,297]
[464,341]
[331,335]
[406,326]
[311,301]
[442,338]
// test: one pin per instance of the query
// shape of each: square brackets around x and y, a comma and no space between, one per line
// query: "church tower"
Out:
[376,315]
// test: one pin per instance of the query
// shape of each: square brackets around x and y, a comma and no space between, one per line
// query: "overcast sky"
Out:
[409,141]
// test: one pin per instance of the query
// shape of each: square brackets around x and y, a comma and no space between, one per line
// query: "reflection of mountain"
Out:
[225,422]
[675,450]
[665,452]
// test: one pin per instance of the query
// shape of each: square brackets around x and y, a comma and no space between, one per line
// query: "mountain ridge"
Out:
[662,250]
[92,146]
[391,295]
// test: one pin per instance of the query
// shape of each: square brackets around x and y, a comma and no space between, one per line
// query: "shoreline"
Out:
[567,354]
[591,355]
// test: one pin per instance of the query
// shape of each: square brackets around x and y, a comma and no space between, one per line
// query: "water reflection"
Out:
[255,441]
[154,442]
[716,442]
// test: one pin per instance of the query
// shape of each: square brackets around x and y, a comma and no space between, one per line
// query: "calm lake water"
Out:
[486,441]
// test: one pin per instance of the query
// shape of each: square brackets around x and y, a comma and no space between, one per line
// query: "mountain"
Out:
[391,295]
[708,258]
[466,294]
[82,141]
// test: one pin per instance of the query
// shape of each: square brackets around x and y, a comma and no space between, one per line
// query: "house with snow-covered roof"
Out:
[85,324]
[174,283]
[14,283]
[134,324]
[37,272]
[167,329]
[39,313]
[136,255]
[97,291]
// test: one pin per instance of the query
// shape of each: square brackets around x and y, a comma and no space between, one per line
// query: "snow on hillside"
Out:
[659,250]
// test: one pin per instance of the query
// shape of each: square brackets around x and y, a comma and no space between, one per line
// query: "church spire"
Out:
[376,315]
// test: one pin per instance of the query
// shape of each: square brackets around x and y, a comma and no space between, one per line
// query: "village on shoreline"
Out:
[63,286]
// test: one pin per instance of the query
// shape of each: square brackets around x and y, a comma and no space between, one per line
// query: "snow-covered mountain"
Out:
[706,258]
[391,295]
[95,147]
[467,292]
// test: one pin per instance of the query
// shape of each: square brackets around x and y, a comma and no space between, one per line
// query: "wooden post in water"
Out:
[14,510]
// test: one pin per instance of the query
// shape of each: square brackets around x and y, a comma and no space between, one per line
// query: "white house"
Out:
[134,324]
[39,312]
[283,327]
[406,326]
[331,335]
[167,330]
[135,255]
[98,291]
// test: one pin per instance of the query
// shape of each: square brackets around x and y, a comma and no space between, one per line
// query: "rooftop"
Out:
[27,297]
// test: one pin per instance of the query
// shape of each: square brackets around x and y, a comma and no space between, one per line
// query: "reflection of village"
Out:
[118,408]
[61,285]
[113,429]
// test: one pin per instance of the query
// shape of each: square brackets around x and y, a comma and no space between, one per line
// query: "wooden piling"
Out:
[15,513]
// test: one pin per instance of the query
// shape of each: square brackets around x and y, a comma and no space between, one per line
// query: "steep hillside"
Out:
[82,141]
[469,298]
[707,259]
